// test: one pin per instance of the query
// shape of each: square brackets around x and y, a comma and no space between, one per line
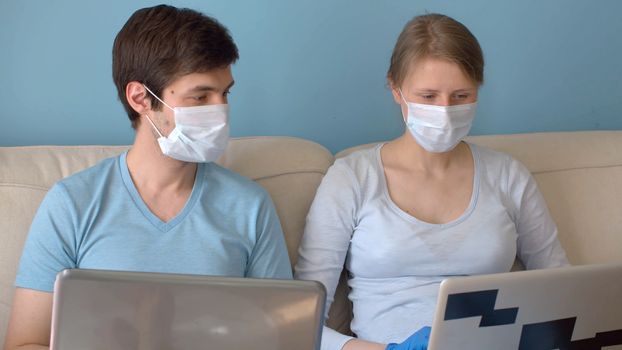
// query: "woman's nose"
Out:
[444,101]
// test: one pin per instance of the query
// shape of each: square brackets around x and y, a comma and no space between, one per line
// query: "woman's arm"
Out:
[356,344]
[328,230]
[538,245]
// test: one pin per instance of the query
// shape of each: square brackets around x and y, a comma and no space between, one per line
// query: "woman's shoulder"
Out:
[359,159]
[355,169]
[499,165]
[493,158]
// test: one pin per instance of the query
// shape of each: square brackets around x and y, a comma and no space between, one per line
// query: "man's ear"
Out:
[137,97]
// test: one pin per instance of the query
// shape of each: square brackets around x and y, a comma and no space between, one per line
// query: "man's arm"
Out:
[269,258]
[30,322]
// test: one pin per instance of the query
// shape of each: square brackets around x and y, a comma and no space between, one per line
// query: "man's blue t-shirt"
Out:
[96,219]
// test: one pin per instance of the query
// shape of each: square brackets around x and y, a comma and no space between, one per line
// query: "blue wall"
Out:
[315,68]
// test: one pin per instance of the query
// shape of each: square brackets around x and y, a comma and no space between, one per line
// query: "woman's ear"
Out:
[395,92]
[137,97]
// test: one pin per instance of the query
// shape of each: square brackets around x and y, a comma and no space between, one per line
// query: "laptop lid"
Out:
[565,308]
[96,309]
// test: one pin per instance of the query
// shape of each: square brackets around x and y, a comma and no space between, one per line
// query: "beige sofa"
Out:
[579,173]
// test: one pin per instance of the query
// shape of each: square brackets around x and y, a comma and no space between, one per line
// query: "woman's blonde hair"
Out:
[436,36]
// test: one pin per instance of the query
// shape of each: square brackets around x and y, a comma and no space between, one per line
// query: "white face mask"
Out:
[439,128]
[200,135]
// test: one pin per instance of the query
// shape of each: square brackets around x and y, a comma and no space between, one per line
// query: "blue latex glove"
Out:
[417,341]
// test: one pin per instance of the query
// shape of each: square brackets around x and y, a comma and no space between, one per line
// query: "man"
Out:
[163,206]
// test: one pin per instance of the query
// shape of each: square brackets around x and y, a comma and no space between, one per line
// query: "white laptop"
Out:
[129,310]
[578,308]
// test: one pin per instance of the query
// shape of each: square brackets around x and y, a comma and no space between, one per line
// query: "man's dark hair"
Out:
[162,43]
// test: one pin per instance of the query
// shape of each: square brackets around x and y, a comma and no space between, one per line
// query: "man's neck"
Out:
[151,171]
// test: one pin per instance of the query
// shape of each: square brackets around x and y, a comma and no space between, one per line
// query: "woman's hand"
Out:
[417,341]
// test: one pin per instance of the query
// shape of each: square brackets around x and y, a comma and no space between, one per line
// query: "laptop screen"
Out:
[129,310]
[565,308]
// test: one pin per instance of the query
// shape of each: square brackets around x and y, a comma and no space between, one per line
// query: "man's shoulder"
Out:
[92,177]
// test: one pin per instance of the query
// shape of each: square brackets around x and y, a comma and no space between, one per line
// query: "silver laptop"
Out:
[129,310]
[566,308]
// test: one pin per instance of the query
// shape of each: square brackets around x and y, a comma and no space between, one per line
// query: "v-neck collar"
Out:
[163,226]
[411,218]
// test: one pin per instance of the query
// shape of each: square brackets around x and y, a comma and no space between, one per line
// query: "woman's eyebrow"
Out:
[426,90]
[438,91]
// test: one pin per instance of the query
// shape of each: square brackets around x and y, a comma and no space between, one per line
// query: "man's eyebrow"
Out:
[202,88]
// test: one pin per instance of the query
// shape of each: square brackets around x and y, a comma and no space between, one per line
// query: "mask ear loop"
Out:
[149,119]
[154,95]
[400,91]
[154,127]
[406,103]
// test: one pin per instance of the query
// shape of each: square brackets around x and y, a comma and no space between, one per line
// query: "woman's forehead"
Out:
[437,74]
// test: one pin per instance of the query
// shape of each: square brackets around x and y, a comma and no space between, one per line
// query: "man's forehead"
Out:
[217,79]
[208,87]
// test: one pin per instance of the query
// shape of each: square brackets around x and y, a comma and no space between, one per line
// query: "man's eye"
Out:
[462,96]
[199,98]
[427,97]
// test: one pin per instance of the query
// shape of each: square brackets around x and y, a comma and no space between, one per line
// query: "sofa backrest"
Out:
[580,175]
[290,169]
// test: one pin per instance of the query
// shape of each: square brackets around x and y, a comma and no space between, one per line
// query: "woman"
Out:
[405,214]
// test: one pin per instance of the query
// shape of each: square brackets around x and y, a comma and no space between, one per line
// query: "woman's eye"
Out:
[462,96]
[427,97]
[226,93]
